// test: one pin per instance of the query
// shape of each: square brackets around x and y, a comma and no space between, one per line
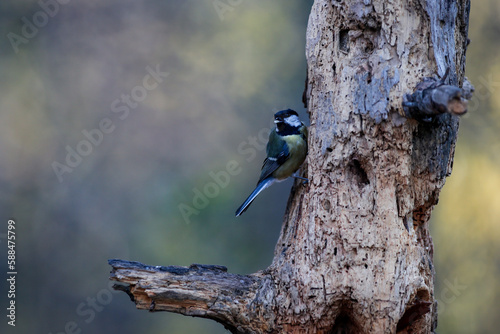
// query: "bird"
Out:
[286,151]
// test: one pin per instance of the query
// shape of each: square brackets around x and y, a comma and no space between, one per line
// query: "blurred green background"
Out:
[229,69]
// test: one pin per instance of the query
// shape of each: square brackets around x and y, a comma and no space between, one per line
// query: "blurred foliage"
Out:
[466,234]
[466,222]
[227,73]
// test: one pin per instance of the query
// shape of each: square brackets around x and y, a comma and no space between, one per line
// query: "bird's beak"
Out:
[278,120]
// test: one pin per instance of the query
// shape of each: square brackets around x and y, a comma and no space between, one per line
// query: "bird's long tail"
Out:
[261,186]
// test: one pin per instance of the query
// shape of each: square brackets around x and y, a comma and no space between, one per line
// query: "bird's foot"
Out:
[301,178]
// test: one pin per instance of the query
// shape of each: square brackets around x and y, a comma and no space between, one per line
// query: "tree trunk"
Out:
[355,253]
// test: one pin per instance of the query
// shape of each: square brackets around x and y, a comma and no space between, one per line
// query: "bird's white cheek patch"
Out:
[293,121]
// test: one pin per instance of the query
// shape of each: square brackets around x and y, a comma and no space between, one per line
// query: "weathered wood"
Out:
[432,97]
[355,252]
[208,291]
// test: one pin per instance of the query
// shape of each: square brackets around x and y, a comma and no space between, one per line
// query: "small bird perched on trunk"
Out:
[286,151]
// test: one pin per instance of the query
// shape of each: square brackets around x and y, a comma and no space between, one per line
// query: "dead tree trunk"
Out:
[355,253]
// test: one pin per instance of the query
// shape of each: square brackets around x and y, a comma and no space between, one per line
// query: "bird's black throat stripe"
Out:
[284,129]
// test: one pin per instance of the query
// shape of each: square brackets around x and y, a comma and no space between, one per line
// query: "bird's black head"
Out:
[287,121]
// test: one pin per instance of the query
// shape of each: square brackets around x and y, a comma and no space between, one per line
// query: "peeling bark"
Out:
[355,252]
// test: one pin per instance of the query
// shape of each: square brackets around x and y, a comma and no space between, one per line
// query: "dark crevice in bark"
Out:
[344,40]
[417,307]
[344,324]
[357,172]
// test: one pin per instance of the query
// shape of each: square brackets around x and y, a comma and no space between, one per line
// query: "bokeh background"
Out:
[230,65]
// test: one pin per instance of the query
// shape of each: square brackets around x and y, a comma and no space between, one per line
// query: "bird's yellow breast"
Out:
[297,148]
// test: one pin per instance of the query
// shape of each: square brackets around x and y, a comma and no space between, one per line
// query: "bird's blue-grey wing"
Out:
[277,154]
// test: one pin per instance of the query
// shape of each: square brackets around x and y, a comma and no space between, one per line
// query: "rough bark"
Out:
[206,291]
[355,252]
